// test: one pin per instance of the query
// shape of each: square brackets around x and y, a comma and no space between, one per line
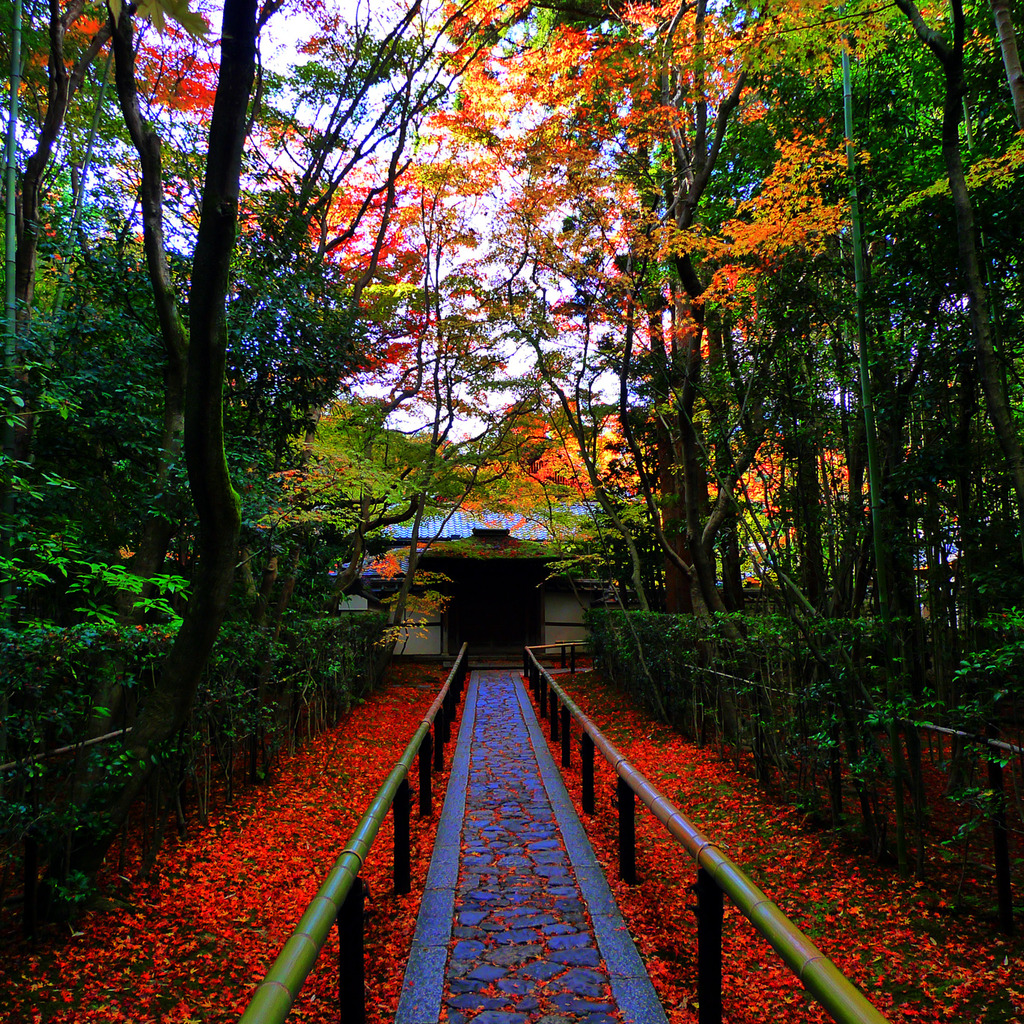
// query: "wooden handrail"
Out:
[276,994]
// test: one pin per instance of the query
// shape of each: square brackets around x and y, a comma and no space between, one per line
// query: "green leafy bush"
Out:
[255,695]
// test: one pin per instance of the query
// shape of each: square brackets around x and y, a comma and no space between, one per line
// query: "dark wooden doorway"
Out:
[497,604]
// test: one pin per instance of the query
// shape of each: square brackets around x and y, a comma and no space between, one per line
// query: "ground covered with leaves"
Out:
[189,943]
[921,951]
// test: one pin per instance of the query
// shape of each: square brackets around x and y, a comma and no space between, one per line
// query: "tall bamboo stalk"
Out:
[10,192]
[874,472]
[10,319]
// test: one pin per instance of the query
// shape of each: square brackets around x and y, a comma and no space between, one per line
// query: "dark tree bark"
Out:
[58,92]
[990,369]
[159,528]
[63,82]
[1011,56]
[215,500]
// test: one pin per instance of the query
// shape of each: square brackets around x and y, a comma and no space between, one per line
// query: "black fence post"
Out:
[572,661]
[30,867]
[542,698]
[566,737]
[710,910]
[449,713]
[626,800]
[400,811]
[351,982]
[1000,844]
[439,739]
[587,772]
[555,717]
[563,656]
[426,793]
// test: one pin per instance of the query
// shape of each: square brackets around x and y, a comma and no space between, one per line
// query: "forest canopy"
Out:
[742,281]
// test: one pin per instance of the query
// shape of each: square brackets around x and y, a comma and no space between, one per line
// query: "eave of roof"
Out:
[479,548]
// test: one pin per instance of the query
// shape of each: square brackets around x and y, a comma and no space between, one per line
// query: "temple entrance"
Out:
[497,604]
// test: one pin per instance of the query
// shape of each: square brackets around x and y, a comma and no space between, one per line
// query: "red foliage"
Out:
[903,942]
[191,943]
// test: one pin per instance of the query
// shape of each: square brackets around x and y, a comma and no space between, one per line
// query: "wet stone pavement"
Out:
[517,924]
[524,946]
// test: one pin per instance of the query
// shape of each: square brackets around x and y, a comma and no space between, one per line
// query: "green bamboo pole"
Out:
[874,472]
[10,193]
[10,319]
[10,255]
[273,998]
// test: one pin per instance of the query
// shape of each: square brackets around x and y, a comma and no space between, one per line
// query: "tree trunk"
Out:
[1011,57]
[678,591]
[151,548]
[57,93]
[990,371]
[215,500]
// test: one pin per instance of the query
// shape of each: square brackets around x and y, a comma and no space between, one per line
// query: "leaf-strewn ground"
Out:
[190,943]
[922,951]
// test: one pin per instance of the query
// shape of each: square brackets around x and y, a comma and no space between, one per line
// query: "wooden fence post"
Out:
[626,800]
[400,813]
[710,911]
[425,783]
[587,772]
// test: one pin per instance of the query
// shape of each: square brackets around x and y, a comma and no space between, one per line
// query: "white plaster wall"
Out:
[563,618]
[423,640]
[424,635]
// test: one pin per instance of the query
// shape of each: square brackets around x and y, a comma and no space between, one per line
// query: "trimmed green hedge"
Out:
[809,702]
[759,682]
[665,660]
[255,696]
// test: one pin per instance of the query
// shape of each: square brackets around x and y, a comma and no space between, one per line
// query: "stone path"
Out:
[517,924]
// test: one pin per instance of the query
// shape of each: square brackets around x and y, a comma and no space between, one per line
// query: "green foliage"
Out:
[678,662]
[252,687]
[994,670]
[332,660]
[158,11]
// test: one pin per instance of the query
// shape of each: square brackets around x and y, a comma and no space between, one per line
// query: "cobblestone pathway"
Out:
[521,926]
[530,932]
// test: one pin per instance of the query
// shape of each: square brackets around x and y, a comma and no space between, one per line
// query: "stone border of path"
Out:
[423,984]
[631,984]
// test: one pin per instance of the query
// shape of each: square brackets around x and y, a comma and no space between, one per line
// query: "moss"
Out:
[478,548]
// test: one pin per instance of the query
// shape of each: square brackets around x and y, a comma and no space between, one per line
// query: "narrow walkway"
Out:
[517,923]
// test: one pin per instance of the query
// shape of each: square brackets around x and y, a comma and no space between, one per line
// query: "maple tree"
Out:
[539,255]
[619,266]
